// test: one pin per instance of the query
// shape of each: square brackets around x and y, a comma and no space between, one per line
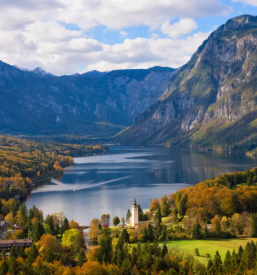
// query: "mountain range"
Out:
[212,100]
[95,103]
[209,102]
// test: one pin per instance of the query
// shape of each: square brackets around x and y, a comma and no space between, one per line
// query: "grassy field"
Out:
[208,246]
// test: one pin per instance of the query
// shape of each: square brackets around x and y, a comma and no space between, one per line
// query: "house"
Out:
[8,244]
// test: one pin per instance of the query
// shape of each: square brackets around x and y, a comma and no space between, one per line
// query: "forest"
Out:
[24,162]
[220,208]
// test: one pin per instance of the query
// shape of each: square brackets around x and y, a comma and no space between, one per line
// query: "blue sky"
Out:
[67,36]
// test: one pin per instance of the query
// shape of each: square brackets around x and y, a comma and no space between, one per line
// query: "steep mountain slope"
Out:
[94,103]
[212,100]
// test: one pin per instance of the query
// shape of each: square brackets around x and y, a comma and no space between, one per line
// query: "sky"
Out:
[76,36]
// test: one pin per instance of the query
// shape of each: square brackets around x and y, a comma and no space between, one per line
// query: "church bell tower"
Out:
[134,212]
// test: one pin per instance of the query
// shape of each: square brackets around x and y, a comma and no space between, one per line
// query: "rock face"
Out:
[94,103]
[212,99]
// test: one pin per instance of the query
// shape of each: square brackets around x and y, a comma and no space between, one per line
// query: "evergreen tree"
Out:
[32,254]
[217,263]
[158,217]
[49,220]
[37,231]
[150,232]
[13,267]
[197,230]
[128,215]
[104,254]
[140,213]
[239,254]
[182,206]
[65,225]
[3,268]
[164,250]
[49,256]
[134,256]
[126,267]
[41,268]
[82,258]
[172,271]
[227,263]
[125,235]
[206,233]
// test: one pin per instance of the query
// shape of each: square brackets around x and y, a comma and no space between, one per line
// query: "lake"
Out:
[109,183]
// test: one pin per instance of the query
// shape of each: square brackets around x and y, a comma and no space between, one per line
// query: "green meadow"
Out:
[208,246]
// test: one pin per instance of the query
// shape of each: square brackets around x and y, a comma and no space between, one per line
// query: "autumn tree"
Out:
[116,221]
[154,205]
[74,224]
[164,206]
[158,217]
[73,239]
[48,242]
[94,230]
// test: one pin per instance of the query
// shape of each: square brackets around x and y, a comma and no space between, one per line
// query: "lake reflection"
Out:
[109,183]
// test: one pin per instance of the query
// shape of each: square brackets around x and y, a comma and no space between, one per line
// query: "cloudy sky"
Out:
[75,36]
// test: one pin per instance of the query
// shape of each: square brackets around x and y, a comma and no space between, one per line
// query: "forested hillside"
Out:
[23,162]
[92,104]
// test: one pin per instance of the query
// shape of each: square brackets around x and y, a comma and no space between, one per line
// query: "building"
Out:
[134,214]
[8,244]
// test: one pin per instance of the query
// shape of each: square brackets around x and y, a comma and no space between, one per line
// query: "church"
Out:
[133,220]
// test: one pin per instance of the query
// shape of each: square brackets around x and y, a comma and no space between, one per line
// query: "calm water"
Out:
[109,183]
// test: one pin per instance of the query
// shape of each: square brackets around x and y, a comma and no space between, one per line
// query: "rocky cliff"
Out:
[94,103]
[213,98]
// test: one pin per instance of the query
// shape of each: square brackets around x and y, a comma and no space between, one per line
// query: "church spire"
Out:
[135,202]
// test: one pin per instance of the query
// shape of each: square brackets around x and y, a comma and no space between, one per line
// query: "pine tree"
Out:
[227,263]
[182,206]
[217,263]
[32,254]
[37,231]
[134,256]
[239,254]
[13,267]
[82,258]
[197,230]
[150,232]
[65,225]
[125,235]
[49,220]
[164,250]
[49,256]
[3,268]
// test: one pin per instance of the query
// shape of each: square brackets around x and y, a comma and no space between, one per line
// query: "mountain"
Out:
[213,98]
[95,103]
[41,72]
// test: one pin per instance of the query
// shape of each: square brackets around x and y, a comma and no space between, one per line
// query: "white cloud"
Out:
[181,28]
[123,33]
[247,2]
[32,36]
[155,35]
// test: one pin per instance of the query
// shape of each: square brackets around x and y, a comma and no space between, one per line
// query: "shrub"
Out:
[196,251]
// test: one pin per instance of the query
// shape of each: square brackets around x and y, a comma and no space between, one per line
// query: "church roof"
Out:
[135,202]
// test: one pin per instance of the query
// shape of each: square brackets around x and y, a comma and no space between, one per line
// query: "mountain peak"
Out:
[240,22]
[40,71]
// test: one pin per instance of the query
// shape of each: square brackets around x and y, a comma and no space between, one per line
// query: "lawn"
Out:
[209,246]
